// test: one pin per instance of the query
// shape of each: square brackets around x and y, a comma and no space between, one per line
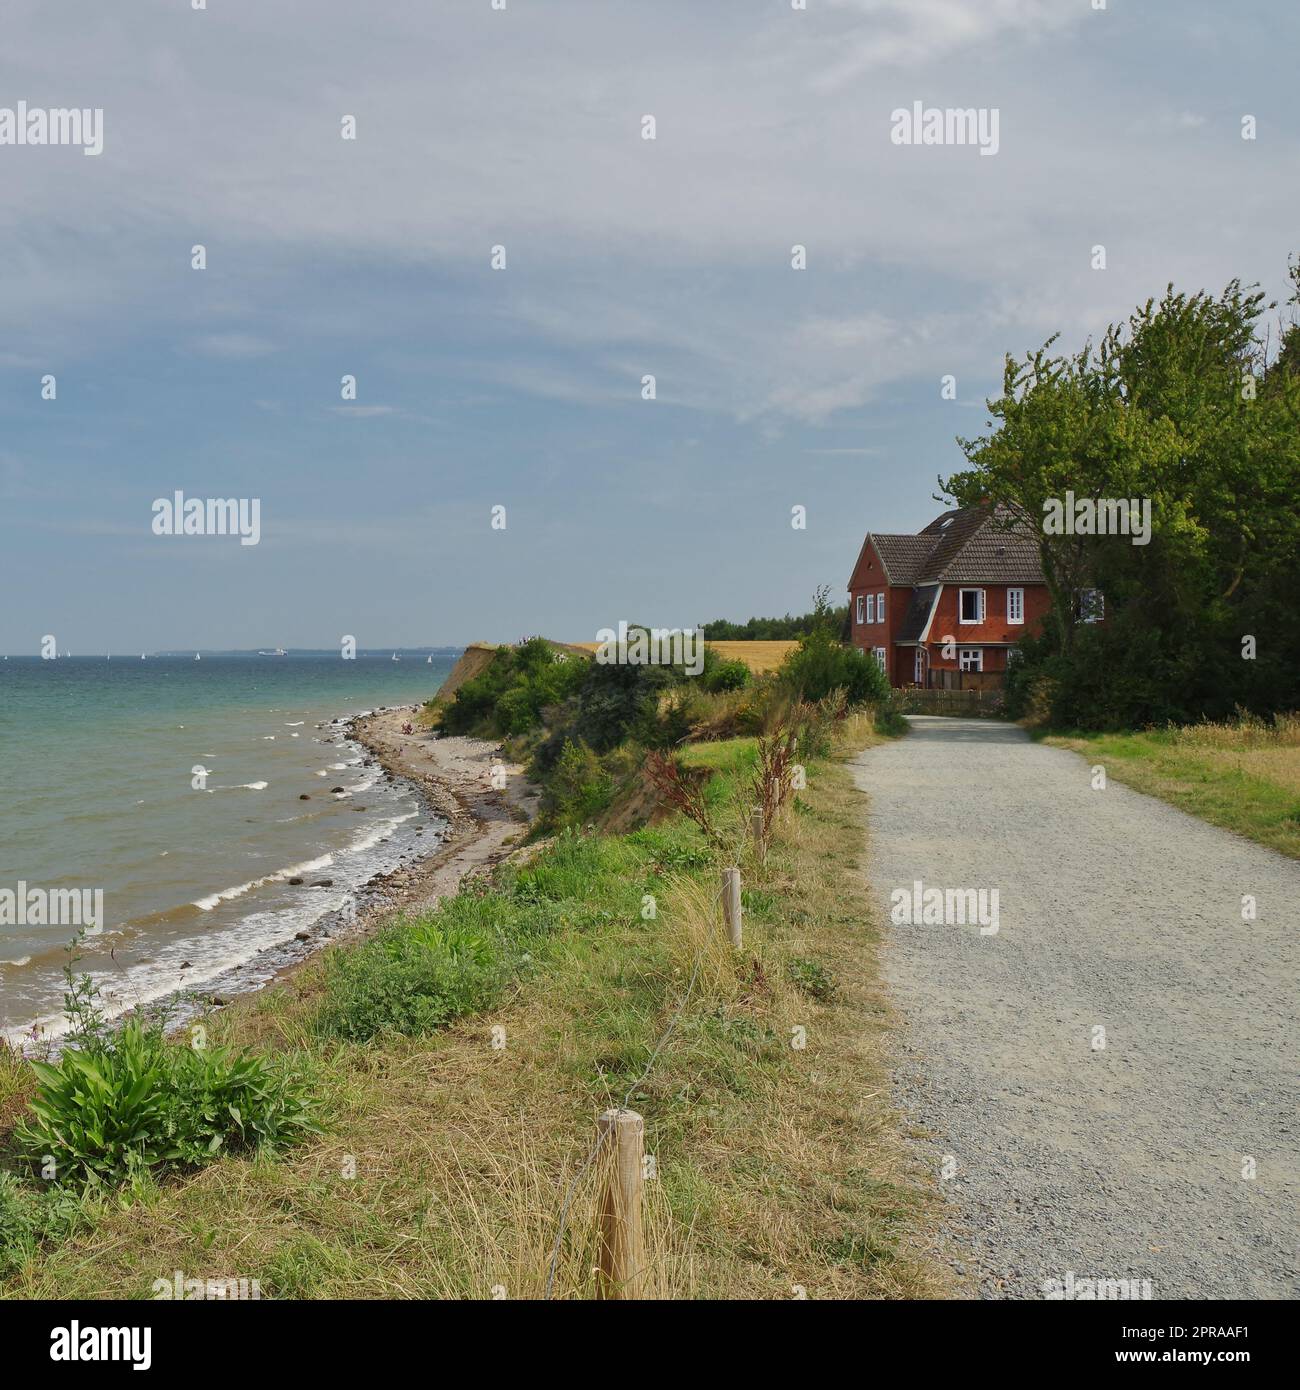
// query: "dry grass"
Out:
[779,1168]
[1243,776]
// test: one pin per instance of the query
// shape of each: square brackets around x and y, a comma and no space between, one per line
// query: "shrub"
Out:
[578,787]
[889,718]
[410,979]
[820,664]
[133,1102]
[508,697]
[725,675]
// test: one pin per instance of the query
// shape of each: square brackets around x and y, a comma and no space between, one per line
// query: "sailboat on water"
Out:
[197,657]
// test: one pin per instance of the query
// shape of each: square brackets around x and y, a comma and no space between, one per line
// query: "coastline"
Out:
[472,826]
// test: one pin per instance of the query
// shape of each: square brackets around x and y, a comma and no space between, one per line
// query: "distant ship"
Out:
[279,651]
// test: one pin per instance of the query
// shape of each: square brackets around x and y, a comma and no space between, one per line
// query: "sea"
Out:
[173,786]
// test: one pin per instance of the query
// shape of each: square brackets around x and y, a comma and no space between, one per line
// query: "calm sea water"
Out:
[96,770]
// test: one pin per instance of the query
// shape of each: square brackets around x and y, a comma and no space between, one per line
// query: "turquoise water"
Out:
[96,767]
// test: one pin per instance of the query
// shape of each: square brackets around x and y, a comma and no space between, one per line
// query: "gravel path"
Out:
[1115,910]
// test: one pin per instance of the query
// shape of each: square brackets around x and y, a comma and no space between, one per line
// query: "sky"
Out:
[522,388]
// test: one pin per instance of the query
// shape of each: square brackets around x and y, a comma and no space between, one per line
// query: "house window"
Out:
[871,608]
[1015,605]
[880,655]
[862,608]
[1092,605]
[972,606]
[918,665]
[970,658]
[880,606]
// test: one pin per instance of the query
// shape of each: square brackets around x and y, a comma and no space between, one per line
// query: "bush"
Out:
[413,978]
[889,718]
[508,697]
[724,675]
[578,787]
[820,664]
[113,1108]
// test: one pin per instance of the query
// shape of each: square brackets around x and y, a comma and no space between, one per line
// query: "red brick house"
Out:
[943,608]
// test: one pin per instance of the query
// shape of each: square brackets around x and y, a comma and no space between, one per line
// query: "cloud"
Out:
[232,345]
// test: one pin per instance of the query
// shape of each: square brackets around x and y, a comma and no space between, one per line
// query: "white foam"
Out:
[238,891]
[368,839]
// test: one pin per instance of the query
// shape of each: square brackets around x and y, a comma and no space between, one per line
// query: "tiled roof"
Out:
[981,547]
[968,546]
[902,556]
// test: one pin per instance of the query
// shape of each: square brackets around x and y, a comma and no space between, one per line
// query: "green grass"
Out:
[1243,778]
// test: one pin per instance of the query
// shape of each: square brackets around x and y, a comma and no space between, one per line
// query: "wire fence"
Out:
[594,1151]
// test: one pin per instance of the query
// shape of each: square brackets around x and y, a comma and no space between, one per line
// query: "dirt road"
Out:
[1079,1154]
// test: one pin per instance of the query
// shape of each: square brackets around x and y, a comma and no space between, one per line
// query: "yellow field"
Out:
[760,657]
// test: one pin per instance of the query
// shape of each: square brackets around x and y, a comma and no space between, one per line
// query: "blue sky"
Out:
[522,387]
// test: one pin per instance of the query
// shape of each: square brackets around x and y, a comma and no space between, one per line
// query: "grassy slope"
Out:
[777,1167]
[1243,779]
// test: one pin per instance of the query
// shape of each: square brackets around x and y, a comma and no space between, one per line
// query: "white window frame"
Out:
[1015,607]
[871,608]
[972,653]
[880,606]
[1092,606]
[970,622]
[862,607]
[918,665]
[881,656]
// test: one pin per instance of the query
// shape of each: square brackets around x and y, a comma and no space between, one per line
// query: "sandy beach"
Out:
[455,775]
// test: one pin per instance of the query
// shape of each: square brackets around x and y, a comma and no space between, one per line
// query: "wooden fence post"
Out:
[731,904]
[622,1272]
[756,827]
